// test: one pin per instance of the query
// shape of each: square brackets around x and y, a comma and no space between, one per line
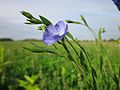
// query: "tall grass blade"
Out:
[82,61]
[43,50]
[116,80]
[94,77]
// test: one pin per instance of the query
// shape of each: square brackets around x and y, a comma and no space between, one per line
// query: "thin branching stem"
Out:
[72,47]
[83,51]
[72,59]
[55,46]
[101,46]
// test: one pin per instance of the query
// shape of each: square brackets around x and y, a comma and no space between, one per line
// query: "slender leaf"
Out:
[29,79]
[83,19]
[116,80]
[45,21]
[30,18]
[94,72]
[39,50]
[27,14]
[22,83]
[34,21]
[94,76]
[70,35]
[42,27]
[43,50]
[101,64]
[82,61]
[28,23]
[74,22]
[67,50]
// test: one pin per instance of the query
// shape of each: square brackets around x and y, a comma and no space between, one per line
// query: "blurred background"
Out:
[34,68]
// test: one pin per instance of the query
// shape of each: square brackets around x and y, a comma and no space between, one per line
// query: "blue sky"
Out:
[98,13]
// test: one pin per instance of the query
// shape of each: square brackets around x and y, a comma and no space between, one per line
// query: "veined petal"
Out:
[52,30]
[48,39]
[55,33]
[61,28]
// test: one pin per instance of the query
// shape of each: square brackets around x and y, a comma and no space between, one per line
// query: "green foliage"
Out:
[94,77]
[70,35]
[105,65]
[30,18]
[84,21]
[45,21]
[3,64]
[101,30]
[29,83]
[74,22]
[38,49]
[42,27]
[56,72]
[82,61]
[52,68]
[27,14]
[33,21]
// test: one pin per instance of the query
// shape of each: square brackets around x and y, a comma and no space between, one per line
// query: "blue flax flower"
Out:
[54,33]
[117,3]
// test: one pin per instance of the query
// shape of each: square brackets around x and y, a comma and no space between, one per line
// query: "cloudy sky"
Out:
[98,13]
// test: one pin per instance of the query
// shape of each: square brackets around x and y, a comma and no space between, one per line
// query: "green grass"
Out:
[56,73]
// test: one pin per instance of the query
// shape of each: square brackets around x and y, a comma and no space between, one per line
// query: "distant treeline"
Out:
[9,39]
[6,39]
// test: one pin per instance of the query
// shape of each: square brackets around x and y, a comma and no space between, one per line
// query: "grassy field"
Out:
[55,73]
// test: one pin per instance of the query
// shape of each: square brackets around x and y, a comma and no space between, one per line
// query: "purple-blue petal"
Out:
[55,33]
[51,29]
[61,27]
[48,39]
[116,2]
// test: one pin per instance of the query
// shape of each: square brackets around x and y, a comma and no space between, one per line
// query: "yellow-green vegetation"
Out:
[55,72]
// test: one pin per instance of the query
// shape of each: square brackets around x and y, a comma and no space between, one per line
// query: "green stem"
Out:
[105,55]
[55,46]
[72,59]
[72,47]
[102,48]
[84,52]
[1,57]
